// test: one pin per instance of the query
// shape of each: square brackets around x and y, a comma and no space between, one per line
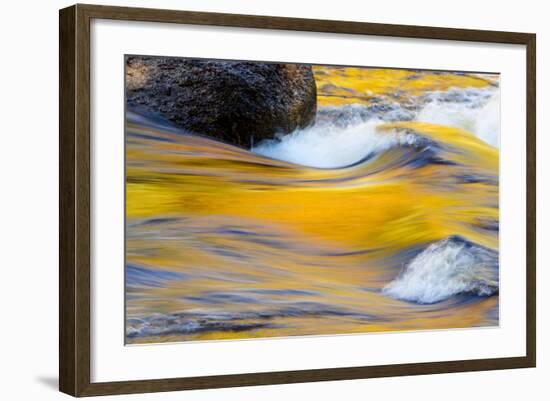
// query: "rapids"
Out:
[382,216]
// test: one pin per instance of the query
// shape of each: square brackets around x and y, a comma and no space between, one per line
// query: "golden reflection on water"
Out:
[249,234]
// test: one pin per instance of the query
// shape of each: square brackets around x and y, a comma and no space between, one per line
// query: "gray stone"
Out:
[240,103]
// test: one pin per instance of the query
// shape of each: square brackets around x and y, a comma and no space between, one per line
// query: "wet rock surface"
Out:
[240,103]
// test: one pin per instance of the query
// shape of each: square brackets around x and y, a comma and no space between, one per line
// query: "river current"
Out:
[382,216]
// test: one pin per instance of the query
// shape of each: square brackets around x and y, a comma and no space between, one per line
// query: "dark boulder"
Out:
[238,102]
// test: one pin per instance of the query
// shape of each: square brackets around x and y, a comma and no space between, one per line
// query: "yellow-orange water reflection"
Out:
[226,243]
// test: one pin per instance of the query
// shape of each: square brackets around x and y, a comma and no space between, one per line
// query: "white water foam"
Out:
[346,135]
[328,146]
[446,268]
[471,112]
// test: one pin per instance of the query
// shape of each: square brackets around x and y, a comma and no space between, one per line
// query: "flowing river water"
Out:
[382,216]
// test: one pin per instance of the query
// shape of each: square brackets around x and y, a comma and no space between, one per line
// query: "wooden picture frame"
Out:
[74,203]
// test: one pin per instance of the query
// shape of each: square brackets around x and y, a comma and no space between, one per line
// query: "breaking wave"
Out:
[332,146]
[449,267]
[345,135]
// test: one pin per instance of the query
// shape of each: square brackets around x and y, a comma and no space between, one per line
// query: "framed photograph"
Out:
[249,200]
